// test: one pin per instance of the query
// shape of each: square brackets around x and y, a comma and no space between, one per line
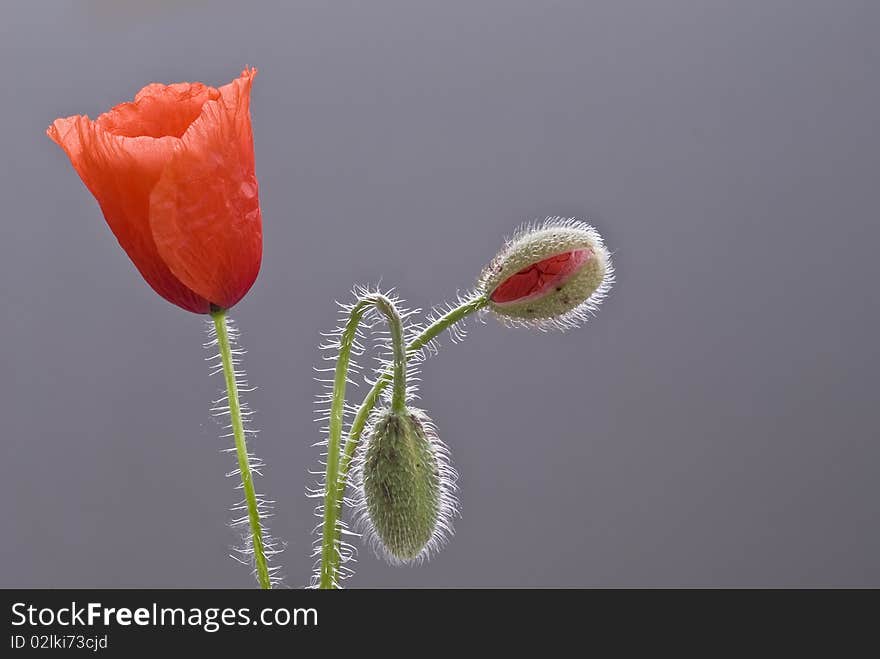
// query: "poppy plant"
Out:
[550,275]
[174,174]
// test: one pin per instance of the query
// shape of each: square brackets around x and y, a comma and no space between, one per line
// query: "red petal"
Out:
[159,110]
[204,211]
[121,172]
[540,278]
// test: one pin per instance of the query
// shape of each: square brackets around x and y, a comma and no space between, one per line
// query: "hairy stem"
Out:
[398,397]
[330,560]
[431,332]
[241,452]
[332,494]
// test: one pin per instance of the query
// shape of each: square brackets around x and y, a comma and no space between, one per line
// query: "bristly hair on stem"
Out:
[422,343]
[381,314]
[333,555]
[257,548]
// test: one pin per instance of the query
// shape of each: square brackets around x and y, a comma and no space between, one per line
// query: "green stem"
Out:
[330,560]
[332,495]
[431,332]
[398,396]
[247,480]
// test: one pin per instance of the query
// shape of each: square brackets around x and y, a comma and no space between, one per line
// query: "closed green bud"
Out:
[553,275]
[406,487]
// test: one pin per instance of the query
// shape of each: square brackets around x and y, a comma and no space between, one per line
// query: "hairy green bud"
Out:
[406,487]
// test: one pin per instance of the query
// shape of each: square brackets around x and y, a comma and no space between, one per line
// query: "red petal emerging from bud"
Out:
[551,275]
[539,278]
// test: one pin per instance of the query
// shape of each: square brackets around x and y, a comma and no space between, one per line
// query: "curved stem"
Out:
[332,494]
[398,397]
[431,332]
[330,561]
[247,481]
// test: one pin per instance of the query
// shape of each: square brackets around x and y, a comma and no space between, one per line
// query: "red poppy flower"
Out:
[174,174]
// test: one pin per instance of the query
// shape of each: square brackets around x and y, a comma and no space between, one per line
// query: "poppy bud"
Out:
[549,276]
[406,487]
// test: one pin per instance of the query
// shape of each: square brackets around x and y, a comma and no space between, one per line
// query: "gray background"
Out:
[715,425]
